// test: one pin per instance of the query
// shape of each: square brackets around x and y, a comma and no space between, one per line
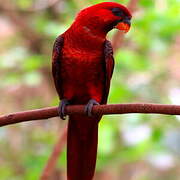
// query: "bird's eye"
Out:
[117,12]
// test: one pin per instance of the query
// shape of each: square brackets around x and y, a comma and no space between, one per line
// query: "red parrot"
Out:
[82,66]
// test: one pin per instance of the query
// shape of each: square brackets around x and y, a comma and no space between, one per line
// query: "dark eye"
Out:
[117,12]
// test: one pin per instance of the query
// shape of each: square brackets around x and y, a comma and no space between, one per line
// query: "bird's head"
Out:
[103,17]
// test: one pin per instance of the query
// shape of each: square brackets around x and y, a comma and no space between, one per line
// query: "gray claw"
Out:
[61,109]
[89,106]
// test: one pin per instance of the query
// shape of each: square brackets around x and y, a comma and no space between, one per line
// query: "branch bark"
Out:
[50,112]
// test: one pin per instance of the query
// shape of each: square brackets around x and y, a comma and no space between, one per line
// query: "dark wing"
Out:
[56,62]
[109,67]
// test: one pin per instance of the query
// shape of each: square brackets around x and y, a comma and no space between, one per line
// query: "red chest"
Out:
[81,64]
[82,74]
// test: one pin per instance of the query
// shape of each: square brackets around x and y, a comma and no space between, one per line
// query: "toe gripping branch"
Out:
[89,106]
[61,109]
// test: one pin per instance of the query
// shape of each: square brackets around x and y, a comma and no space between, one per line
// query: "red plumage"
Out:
[82,67]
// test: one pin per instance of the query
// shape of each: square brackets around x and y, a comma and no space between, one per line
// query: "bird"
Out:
[82,67]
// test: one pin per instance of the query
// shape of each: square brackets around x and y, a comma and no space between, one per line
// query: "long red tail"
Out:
[82,147]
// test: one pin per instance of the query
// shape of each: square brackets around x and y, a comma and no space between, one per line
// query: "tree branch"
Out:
[51,164]
[49,112]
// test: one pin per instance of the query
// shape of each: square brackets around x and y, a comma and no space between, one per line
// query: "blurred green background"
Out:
[131,147]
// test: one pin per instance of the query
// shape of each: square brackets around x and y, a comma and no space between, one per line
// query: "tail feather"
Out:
[82,147]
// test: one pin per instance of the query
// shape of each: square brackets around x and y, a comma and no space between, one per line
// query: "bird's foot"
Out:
[61,109]
[89,106]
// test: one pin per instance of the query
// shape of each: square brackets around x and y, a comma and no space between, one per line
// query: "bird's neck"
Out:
[85,37]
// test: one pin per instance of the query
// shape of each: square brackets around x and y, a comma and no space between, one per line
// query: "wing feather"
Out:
[56,62]
[109,67]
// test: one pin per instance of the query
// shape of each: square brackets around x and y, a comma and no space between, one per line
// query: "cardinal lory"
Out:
[82,66]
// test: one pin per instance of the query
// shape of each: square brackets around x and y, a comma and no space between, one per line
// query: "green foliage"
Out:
[145,71]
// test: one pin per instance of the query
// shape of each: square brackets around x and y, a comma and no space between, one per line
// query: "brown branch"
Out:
[118,37]
[50,166]
[49,112]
